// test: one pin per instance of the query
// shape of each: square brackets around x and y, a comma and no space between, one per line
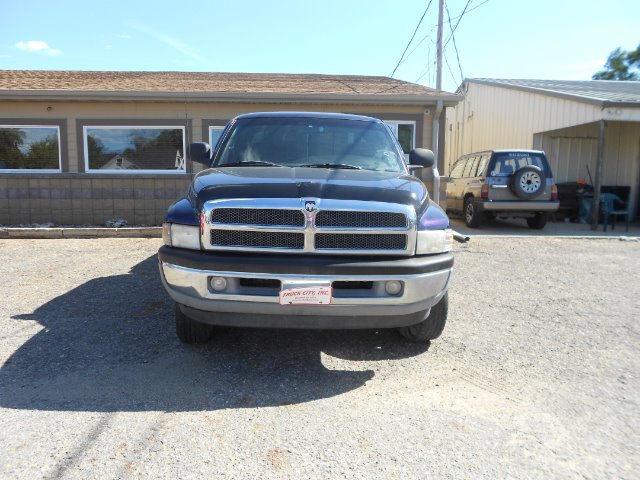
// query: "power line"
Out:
[464,10]
[471,9]
[412,37]
[417,45]
[454,41]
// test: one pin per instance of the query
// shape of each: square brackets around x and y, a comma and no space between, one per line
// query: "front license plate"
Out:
[306,296]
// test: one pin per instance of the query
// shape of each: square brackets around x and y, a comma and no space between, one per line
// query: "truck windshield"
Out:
[310,142]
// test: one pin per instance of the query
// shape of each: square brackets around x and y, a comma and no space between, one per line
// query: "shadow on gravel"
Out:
[110,345]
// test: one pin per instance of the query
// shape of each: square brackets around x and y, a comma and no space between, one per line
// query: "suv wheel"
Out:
[431,327]
[471,215]
[190,331]
[528,182]
[538,222]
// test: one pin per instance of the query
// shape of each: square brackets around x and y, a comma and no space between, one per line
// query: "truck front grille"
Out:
[322,226]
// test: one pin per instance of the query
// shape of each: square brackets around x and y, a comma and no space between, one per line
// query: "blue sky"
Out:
[561,39]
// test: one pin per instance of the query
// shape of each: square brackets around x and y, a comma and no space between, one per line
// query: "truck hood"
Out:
[300,182]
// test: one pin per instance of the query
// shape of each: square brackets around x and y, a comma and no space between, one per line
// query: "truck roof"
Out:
[339,116]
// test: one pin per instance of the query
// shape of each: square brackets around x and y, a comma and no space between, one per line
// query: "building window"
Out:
[134,149]
[405,132]
[30,148]
[215,133]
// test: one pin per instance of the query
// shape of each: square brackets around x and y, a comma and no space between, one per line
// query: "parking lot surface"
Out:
[535,376]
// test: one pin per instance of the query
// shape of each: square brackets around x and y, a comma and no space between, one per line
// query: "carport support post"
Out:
[595,213]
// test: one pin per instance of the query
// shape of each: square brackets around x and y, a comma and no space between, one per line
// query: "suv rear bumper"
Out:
[517,206]
[185,275]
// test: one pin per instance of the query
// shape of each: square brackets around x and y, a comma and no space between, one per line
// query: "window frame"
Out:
[215,127]
[36,170]
[394,131]
[85,144]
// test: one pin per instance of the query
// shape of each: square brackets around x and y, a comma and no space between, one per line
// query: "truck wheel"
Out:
[431,327]
[471,215]
[538,222]
[190,331]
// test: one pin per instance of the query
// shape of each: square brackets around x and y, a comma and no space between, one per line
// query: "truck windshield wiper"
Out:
[332,165]
[250,163]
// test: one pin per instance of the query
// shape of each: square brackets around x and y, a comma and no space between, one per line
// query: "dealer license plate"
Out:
[306,296]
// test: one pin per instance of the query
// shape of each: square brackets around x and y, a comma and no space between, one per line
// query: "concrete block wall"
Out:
[68,199]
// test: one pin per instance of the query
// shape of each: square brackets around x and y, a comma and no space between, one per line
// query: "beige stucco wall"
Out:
[196,112]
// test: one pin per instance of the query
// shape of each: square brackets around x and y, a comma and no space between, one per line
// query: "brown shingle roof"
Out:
[179,82]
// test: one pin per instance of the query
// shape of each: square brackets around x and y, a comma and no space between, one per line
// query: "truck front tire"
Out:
[190,331]
[432,326]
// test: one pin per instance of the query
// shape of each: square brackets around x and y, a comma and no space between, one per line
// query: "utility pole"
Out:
[439,46]
[435,119]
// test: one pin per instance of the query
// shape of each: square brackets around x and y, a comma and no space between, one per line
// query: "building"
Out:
[87,147]
[566,119]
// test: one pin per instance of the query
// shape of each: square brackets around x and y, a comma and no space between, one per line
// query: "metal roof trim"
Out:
[542,91]
[230,97]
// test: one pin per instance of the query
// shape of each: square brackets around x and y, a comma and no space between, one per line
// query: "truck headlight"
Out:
[434,241]
[434,234]
[181,236]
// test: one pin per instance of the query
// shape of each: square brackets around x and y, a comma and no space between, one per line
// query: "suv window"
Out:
[507,163]
[458,167]
[474,167]
[468,167]
[484,159]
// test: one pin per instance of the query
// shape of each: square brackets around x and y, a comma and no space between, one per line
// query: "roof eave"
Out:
[539,91]
[290,98]
[553,93]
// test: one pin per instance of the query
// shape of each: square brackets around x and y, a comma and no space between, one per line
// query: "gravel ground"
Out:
[535,376]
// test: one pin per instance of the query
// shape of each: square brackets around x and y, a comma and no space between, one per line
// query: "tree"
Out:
[95,149]
[621,65]
[44,154]
[10,142]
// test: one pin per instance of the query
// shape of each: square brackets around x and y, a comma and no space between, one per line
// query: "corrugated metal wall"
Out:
[572,150]
[497,117]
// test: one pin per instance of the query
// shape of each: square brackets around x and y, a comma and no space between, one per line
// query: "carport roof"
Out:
[605,92]
[196,86]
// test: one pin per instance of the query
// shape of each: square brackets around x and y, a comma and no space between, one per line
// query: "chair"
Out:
[611,205]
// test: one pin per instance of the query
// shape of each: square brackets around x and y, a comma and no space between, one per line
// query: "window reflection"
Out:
[135,148]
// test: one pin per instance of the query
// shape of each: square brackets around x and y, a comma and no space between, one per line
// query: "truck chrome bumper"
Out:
[255,296]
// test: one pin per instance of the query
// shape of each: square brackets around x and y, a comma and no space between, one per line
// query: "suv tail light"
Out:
[554,192]
[484,192]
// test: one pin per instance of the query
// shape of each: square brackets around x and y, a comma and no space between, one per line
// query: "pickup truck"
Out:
[307,220]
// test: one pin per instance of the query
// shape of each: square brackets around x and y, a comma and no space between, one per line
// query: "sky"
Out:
[537,39]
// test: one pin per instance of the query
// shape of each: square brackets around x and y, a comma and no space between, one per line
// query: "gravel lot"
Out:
[535,376]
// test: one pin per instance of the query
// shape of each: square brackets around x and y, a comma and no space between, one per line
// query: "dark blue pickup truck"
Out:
[307,220]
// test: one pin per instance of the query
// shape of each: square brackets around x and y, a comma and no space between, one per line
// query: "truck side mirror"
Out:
[421,157]
[200,152]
